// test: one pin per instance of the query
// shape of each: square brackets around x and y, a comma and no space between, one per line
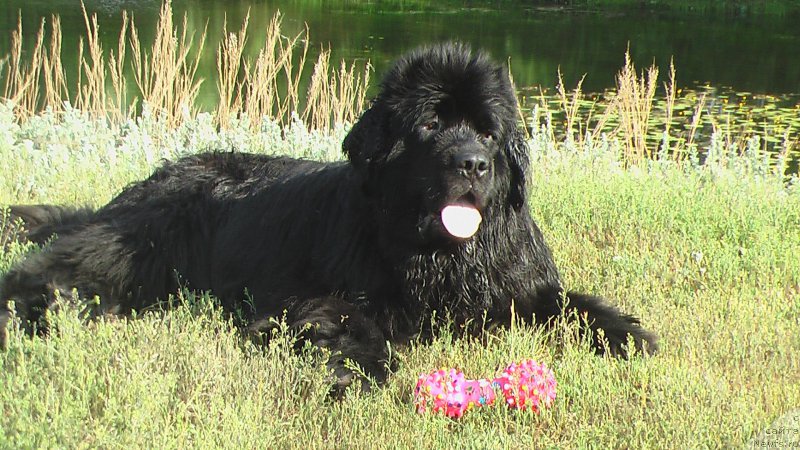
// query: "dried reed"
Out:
[633,104]
[336,98]
[165,75]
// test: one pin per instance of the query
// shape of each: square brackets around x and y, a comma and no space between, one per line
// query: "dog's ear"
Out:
[516,151]
[367,138]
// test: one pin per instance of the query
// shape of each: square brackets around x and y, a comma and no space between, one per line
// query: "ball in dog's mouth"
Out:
[461,221]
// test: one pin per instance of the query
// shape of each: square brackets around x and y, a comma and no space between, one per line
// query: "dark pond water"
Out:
[759,54]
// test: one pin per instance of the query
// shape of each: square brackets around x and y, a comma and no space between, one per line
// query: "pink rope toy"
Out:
[524,385]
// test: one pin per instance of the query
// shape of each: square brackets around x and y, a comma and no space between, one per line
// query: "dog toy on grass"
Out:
[449,392]
[524,385]
[527,385]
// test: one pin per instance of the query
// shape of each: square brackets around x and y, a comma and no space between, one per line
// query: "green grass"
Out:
[706,255]
[699,6]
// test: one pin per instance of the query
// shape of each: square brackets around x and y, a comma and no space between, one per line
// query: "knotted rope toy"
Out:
[523,385]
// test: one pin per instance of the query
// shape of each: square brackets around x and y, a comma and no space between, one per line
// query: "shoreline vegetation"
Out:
[730,7]
[692,225]
[742,7]
[273,77]
[117,83]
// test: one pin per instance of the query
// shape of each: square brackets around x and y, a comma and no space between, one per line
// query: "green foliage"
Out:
[700,6]
[705,254]
[703,6]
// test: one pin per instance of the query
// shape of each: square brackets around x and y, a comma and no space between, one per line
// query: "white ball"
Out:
[460,220]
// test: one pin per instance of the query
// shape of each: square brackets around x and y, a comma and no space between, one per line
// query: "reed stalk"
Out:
[165,77]
[633,105]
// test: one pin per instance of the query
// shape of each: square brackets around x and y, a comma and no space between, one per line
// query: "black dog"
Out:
[364,251]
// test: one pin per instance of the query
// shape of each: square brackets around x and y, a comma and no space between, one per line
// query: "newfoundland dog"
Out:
[426,224]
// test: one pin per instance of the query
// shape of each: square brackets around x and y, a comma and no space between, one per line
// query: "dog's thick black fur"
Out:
[357,249]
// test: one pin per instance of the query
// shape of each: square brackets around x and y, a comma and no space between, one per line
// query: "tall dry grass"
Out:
[625,115]
[650,124]
[271,84]
[91,94]
[165,75]
[570,104]
[671,93]
[634,104]
[335,98]
[22,83]
[581,125]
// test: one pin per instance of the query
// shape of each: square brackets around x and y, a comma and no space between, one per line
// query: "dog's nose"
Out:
[472,164]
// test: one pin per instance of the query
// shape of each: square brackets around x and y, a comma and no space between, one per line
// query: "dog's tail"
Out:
[37,223]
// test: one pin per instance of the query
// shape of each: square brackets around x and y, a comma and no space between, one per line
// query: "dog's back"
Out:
[223,175]
[129,251]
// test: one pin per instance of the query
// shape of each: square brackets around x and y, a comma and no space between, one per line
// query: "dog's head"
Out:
[442,136]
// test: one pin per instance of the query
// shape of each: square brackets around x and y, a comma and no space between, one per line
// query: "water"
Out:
[758,54]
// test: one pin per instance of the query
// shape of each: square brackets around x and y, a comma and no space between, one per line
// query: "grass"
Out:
[704,253]
[699,239]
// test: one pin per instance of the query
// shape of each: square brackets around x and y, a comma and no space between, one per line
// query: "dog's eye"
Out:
[489,136]
[431,126]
